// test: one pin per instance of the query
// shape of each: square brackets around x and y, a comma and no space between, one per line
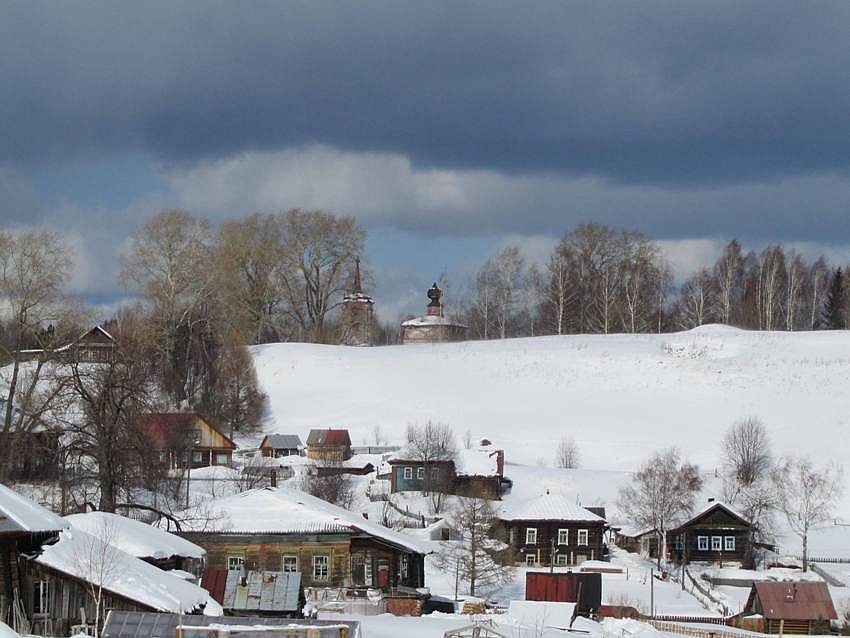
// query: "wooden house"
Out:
[256,593]
[791,608]
[36,456]
[277,445]
[329,445]
[50,568]
[146,542]
[25,529]
[93,346]
[551,529]
[183,438]
[478,472]
[715,534]
[280,529]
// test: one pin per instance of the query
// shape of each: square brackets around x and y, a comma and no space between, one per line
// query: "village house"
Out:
[36,453]
[278,445]
[790,608]
[280,529]
[550,529]
[330,445]
[153,545]
[52,567]
[715,534]
[93,346]
[478,472]
[187,438]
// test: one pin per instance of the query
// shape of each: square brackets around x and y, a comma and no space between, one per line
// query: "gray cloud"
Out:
[635,92]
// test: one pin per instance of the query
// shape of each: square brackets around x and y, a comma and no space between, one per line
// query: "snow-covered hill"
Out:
[619,396]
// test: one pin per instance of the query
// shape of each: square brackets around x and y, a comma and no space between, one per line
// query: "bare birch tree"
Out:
[729,278]
[745,451]
[99,562]
[432,444]
[806,495]
[661,494]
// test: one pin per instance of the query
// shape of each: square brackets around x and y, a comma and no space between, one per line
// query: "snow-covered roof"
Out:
[134,537]
[551,506]
[431,320]
[282,510]
[19,514]
[123,574]
[710,506]
[478,461]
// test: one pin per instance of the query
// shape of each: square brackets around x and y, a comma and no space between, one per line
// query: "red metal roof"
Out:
[328,438]
[793,601]
[214,581]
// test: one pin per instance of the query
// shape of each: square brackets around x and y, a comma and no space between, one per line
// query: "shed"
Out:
[793,607]
[584,589]
[276,445]
[329,445]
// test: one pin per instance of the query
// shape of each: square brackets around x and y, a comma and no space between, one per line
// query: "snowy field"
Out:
[620,396]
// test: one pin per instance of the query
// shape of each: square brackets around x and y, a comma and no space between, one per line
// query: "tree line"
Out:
[600,279]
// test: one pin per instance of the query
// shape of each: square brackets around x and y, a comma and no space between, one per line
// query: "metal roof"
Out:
[21,515]
[282,441]
[143,624]
[793,601]
[328,438]
[263,591]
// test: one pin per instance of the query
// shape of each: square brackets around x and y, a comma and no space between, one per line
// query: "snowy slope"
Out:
[619,396]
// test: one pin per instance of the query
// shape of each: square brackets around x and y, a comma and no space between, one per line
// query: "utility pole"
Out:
[652,593]
[552,557]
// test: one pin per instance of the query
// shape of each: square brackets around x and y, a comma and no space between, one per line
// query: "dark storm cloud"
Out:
[664,93]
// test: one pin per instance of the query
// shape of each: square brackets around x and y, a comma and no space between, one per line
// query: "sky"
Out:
[448,129]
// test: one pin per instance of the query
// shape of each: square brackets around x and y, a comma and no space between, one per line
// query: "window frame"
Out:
[283,563]
[407,473]
[703,543]
[321,575]
[562,560]
[586,535]
[235,557]
[728,543]
[420,473]
[531,536]
[221,458]
[717,543]
[41,598]
[563,536]
[530,560]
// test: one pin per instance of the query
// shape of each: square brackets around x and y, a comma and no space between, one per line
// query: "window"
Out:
[702,543]
[197,457]
[194,436]
[408,473]
[320,567]
[563,537]
[405,566]
[561,559]
[235,562]
[531,536]
[729,543]
[420,472]
[221,458]
[163,456]
[512,535]
[40,599]
[716,543]
[290,563]
[530,559]
[582,537]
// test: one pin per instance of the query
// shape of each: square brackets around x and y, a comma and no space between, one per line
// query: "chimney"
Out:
[711,499]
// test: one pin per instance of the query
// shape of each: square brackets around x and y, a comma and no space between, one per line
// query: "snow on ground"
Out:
[621,397]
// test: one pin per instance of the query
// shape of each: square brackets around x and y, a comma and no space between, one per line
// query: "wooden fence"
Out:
[696,632]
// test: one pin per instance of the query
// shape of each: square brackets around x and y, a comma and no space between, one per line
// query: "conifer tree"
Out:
[835,306]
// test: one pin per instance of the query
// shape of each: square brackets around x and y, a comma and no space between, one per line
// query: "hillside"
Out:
[619,396]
